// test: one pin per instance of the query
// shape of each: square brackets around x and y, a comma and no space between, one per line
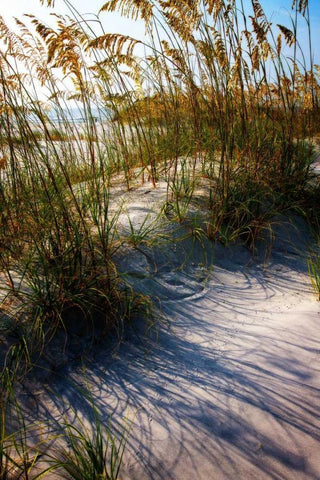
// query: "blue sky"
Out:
[277,10]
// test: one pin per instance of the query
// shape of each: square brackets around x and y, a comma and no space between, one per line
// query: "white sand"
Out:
[227,387]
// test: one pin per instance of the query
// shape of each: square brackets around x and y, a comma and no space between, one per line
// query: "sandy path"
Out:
[228,386]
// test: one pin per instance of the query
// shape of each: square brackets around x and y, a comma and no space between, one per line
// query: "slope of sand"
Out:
[226,385]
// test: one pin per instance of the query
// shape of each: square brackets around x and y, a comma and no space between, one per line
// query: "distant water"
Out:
[75,115]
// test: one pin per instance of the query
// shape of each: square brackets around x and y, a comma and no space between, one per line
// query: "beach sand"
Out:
[226,385]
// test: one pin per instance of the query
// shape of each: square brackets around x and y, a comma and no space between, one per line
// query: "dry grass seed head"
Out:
[115,44]
[288,34]
[131,9]
[301,4]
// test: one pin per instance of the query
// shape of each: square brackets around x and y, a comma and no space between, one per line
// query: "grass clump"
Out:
[93,452]
[87,450]
[314,271]
[19,452]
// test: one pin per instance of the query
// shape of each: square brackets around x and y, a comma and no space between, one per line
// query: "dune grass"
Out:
[80,450]
[314,270]
[221,101]
[91,455]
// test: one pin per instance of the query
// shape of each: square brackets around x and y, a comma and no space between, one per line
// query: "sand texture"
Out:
[226,385]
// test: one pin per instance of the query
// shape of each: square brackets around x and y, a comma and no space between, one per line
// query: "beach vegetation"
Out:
[91,452]
[221,105]
[314,270]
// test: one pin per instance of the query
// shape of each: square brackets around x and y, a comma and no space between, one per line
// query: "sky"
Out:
[277,10]
[113,22]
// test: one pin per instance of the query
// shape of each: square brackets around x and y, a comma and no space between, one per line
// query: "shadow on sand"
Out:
[227,386]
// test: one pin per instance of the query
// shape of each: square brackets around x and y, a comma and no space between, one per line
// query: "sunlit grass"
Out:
[215,103]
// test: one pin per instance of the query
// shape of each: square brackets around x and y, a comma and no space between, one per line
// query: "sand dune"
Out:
[227,384]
